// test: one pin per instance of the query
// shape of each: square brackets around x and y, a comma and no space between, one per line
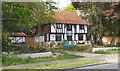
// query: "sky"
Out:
[62,3]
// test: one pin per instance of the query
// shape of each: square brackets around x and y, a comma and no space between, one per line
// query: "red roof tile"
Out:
[69,18]
[18,34]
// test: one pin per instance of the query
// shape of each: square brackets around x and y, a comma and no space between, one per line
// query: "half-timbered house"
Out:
[69,26]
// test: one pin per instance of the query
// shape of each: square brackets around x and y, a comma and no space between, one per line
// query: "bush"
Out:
[76,48]
[10,59]
[6,43]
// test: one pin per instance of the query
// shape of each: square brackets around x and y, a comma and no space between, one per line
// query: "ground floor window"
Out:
[58,37]
[80,36]
[69,37]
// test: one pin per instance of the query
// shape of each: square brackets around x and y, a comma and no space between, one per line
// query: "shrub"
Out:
[76,48]
[10,59]
[6,42]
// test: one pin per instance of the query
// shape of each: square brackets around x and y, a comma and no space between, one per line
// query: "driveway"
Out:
[107,57]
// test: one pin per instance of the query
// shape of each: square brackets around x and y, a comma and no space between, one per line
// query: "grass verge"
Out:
[67,64]
[10,60]
[75,48]
[113,51]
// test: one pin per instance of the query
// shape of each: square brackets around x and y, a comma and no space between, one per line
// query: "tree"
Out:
[97,15]
[69,8]
[24,15]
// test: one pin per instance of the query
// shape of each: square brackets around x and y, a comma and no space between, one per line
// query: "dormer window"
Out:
[59,26]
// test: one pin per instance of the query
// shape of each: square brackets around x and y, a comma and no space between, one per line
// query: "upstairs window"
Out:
[59,26]
[69,27]
[81,26]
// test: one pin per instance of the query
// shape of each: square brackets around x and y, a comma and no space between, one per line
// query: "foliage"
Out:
[75,48]
[6,42]
[113,51]
[9,59]
[22,16]
[69,8]
[104,17]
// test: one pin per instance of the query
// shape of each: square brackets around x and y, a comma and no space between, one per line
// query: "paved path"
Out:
[103,66]
[108,58]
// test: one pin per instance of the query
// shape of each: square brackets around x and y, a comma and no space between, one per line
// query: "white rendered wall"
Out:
[17,39]
[85,27]
[12,39]
[84,37]
[53,28]
[23,39]
[77,29]
[63,28]
[52,37]
[39,38]
[47,37]
[73,29]
[76,36]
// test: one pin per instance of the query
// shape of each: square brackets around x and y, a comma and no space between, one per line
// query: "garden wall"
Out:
[107,48]
[30,41]
[107,40]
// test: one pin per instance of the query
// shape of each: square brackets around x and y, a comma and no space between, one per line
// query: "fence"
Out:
[30,41]
[108,40]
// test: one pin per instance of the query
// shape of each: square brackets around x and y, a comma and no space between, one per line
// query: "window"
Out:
[69,27]
[81,26]
[80,36]
[59,26]
[58,37]
[69,37]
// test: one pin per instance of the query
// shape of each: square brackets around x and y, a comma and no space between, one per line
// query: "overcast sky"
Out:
[62,3]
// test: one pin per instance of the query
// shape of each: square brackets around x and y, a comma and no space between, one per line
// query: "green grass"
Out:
[75,48]
[112,45]
[62,65]
[113,51]
[7,61]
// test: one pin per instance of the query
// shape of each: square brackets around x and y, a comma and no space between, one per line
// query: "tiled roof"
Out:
[69,18]
[18,34]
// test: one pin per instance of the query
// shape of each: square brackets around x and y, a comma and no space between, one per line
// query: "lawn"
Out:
[10,60]
[113,51]
[67,64]
[74,48]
